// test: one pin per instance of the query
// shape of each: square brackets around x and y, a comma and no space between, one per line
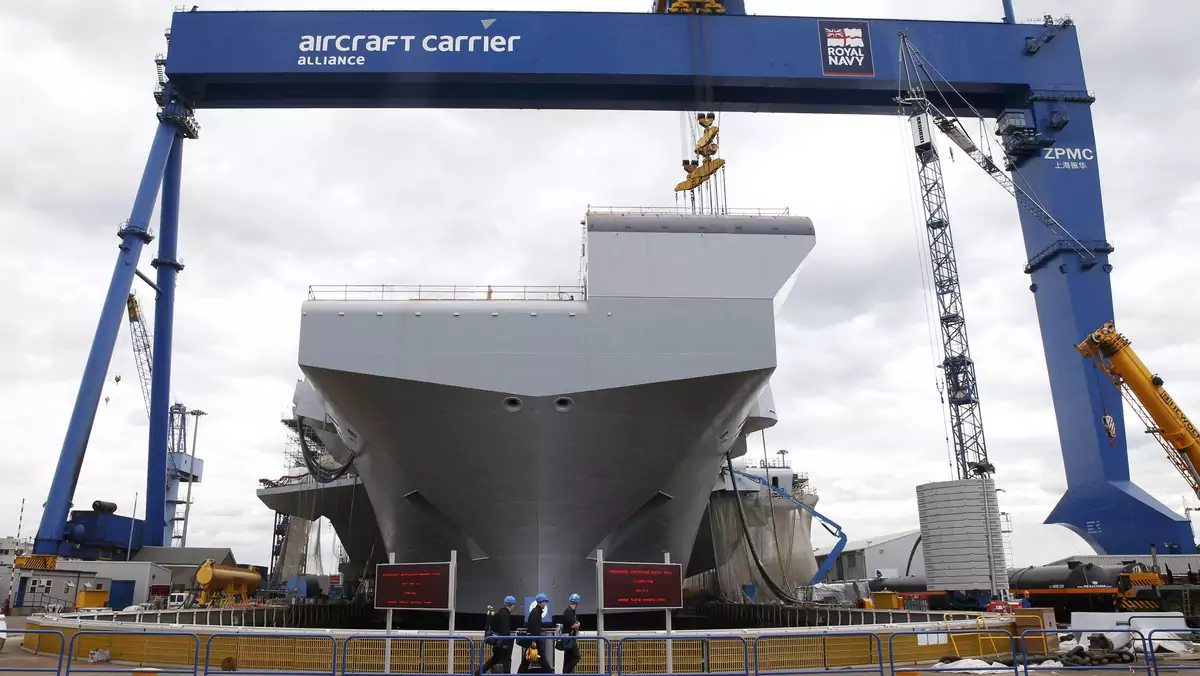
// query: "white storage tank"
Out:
[960,521]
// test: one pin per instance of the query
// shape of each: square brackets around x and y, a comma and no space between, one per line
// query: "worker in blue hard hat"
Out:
[499,627]
[570,646]
[536,652]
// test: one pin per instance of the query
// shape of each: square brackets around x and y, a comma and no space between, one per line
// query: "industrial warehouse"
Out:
[689,458]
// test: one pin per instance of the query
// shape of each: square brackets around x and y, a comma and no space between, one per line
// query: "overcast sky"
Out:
[276,200]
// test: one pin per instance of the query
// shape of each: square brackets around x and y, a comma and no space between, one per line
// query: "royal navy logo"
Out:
[846,48]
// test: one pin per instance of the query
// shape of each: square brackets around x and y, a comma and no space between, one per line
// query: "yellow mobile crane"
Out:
[1110,352]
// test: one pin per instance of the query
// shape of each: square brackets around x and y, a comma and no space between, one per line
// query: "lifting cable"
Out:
[762,570]
[918,63]
[771,512]
[1106,420]
[911,553]
[319,472]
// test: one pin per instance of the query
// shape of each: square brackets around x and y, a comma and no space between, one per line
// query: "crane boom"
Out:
[913,66]
[142,350]
[834,529]
[962,387]
[1111,352]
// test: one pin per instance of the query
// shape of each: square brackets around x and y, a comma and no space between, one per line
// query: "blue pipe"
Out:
[1009,15]
[156,533]
[66,474]
[841,536]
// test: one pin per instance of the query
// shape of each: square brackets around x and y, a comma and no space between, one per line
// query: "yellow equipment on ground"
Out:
[214,580]
[1138,589]
[92,598]
[1110,352]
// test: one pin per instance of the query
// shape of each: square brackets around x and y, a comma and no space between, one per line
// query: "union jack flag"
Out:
[844,37]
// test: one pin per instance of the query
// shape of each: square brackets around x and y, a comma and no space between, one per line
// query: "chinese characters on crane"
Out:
[416,586]
[650,586]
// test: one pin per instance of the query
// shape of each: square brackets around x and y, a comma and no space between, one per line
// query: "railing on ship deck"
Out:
[388,292]
[687,211]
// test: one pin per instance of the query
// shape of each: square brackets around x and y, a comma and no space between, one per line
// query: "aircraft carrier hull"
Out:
[526,435]
[527,498]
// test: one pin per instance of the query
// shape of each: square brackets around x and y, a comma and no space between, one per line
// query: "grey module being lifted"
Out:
[527,429]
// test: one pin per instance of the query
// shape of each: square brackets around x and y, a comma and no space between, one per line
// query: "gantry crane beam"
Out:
[616,61]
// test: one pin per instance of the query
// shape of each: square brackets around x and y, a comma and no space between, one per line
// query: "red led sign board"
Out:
[417,586]
[651,586]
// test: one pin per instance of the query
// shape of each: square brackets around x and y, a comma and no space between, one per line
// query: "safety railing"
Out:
[774,615]
[1106,664]
[295,654]
[707,654]
[398,292]
[408,654]
[260,616]
[141,648]
[660,211]
[595,652]
[799,653]
[6,634]
[781,654]
[1151,648]
[973,639]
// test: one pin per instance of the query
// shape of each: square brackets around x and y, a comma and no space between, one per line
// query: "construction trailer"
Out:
[41,590]
[889,556]
[132,581]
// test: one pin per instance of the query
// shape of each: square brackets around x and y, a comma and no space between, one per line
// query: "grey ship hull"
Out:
[628,402]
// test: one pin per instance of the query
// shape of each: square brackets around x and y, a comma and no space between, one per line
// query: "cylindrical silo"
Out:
[960,523]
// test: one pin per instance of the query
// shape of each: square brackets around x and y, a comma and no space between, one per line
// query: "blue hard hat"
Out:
[541,597]
[574,598]
[509,600]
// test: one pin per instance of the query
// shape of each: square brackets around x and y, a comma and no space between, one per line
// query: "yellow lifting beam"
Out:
[699,173]
[690,7]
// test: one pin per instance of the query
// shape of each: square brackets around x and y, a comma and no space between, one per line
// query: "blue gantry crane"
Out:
[1029,77]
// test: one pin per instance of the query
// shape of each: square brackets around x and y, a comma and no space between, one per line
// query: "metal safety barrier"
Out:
[825,653]
[595,652]
[5,635]
[408,654]
[296,654]
[138,647]
[1153,656]
[707,654]
[1123,666]
[995,638]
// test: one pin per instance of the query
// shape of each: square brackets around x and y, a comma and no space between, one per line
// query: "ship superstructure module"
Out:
[573,422]
[674,331]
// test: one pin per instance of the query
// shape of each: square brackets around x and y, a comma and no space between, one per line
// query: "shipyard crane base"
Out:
[1029,75]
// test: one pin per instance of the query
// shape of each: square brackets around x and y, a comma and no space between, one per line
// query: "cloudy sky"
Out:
[276,200]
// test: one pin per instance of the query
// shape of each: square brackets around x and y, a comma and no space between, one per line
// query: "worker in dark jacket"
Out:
[501,625]
[533,627]
[571,628]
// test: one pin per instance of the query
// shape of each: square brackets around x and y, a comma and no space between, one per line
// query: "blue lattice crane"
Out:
[958,369]
[934,106]
[181,467]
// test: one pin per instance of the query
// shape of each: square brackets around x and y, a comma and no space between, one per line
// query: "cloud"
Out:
[274,201]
